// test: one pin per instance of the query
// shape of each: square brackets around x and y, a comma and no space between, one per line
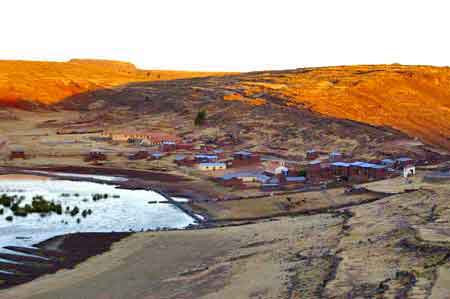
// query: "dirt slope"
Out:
[50,82]
[413,99]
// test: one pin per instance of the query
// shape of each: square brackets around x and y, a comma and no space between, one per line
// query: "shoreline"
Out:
[167,185]
[174,185]
[64,251]
[61,253]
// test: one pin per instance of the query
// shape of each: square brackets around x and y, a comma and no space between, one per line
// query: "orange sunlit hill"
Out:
[51,82]
[412,99]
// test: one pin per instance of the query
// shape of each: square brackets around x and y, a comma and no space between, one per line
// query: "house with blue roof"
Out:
[206,158]
[363,171]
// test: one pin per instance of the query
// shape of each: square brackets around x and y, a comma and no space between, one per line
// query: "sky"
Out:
[228,35]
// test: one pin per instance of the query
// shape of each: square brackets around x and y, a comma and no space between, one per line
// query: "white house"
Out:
[409,171]
[276,167]
[212,166]
[281,170]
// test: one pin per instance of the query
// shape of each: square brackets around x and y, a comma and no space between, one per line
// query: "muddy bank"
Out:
[50,256]
[174,185]
[129,173]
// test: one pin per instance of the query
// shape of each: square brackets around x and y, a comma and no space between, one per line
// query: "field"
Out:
[276,205]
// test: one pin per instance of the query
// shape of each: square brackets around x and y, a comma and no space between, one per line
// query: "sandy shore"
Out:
[189,264]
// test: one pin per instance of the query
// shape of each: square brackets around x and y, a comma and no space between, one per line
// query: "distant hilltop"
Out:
[112,64]
[51,82]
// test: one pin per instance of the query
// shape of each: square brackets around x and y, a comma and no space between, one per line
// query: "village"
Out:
[227,163]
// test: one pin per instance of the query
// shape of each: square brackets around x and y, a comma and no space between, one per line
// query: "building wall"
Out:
[341,171]
[17,155]
[211,168]
[408,171]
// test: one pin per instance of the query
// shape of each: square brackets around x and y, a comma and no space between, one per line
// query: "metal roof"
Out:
[213,164]
[295,179]
[206,156]
[404,159]
[341,164]
[367,165]
[257,175]
[243,153]
[388,161]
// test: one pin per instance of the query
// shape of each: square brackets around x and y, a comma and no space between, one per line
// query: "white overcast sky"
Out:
[228,34]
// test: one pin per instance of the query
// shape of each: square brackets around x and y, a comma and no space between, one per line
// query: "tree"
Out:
[200,118]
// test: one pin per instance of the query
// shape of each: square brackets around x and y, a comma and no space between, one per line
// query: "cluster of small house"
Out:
[217,160]
[275,175]
[359,171]
[248,169]
[165,143]
[337,166]
[287,175]
[141,138]
[245,168]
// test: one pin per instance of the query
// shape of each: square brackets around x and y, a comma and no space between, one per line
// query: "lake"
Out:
[122,211]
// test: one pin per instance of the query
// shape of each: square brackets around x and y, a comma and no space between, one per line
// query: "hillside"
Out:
[412,99]
[50,82]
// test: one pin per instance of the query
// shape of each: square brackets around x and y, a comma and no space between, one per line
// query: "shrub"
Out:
[58,209]
[14,207]
[74,212]
[9,218]
[6,200]
[200,118]
[98,196]
[20,212]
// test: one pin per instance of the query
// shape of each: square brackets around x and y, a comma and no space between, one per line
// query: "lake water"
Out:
[78,175]
[129,211]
